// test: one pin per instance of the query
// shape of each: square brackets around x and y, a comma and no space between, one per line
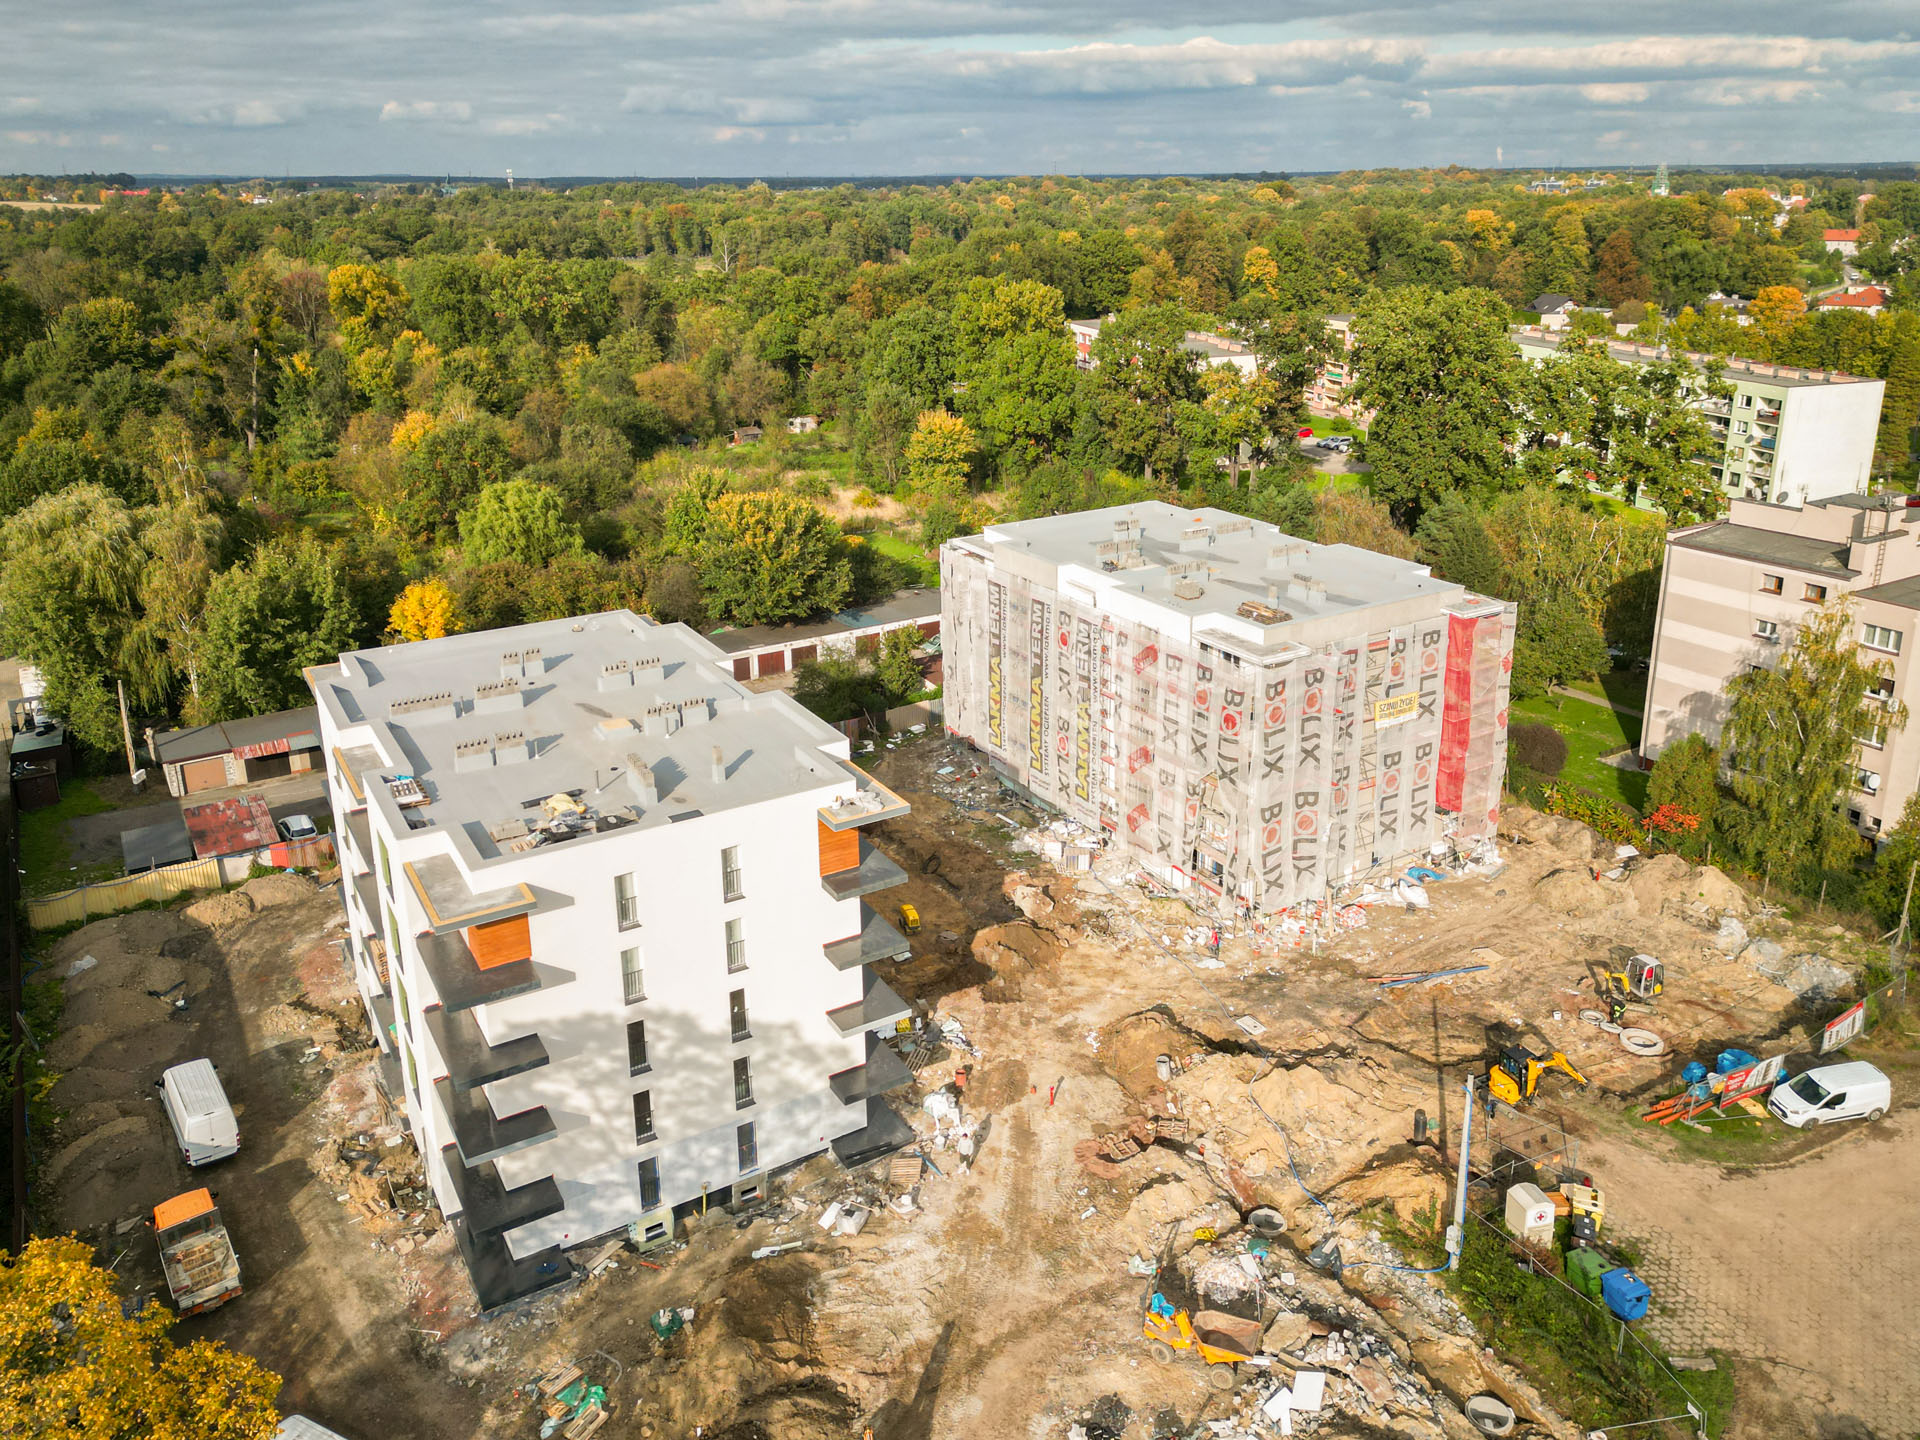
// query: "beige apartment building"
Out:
[1732,593]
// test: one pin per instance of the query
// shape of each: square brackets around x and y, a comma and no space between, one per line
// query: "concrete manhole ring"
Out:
[1642,1042]
[1594,1017]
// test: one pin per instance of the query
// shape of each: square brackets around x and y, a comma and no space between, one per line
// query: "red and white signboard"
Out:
[1753,1079]
[1848,1024]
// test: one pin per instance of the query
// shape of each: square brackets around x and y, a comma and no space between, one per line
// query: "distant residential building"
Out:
[1326,393]
[1733,593]
[1786,434]
[745,435]
[1213,349]
[1841,242]
[1866,299]
[1550,305]
[803,424]
[1548,186]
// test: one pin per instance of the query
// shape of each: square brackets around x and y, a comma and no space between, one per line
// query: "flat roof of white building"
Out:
[621,714]
[1194,569]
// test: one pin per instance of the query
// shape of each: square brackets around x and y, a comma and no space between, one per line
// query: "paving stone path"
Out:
[1810,1271]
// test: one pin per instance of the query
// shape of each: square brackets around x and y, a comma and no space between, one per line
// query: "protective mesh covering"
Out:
[1264,780]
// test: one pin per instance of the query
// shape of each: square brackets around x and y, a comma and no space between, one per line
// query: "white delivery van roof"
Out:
[299,1427]
[1844,1077]
[197,1087]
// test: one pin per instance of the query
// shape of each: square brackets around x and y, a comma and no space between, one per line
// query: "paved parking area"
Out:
[1807,1271]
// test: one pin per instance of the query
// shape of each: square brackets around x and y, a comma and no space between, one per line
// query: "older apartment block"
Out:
[608,912]
[1786,434]
[1247,713]
[1732,594]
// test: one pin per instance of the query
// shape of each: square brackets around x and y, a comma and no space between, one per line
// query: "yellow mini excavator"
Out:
[1514,1077]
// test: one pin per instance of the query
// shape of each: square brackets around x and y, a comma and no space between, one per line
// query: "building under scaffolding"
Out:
[1239,710]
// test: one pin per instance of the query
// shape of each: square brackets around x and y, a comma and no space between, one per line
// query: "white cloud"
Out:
[1202,63]
[726,134]
[243,115]
[1756,92]
[402,110]
[526,124]
[1626,93]
[20,104]
[1419,109]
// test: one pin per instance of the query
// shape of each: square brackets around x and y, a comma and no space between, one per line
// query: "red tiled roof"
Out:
[1870,295]
[1840,235]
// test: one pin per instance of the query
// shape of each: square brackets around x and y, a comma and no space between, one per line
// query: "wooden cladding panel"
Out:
[839,849]
[500,942]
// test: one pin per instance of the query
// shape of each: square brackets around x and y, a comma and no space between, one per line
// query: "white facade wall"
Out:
[580,1011]
[1826,440]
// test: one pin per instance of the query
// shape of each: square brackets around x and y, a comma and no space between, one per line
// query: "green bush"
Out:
[1540,748]
[1614,821]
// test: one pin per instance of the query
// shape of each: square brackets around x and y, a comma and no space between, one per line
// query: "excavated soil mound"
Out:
[218,911]
[278,890]
[1574,891]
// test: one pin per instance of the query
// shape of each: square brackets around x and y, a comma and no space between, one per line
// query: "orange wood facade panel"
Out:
[500,942]
[839,849]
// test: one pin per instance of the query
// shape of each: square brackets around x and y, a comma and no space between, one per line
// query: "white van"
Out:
[197,1108]
[1832,1092]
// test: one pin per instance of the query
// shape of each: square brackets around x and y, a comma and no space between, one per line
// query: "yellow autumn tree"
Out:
[411,430]
[1776,309]
[424,611]
[1258,268]
[938,455]
[366,303]
[72,1362]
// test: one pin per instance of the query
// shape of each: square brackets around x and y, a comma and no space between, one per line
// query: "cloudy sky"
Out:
[857,87]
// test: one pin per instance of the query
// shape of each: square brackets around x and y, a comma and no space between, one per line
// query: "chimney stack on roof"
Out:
[719,766]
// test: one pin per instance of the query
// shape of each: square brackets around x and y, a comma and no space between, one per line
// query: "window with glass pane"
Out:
[1881,637]
[636,1046]
[730,873]
[736,946]
[743,1081]
[626,905]
[749,1148]
[386,866]
[737,1012]
[649,1183]
[400,997]
[642,1116]
[633,975]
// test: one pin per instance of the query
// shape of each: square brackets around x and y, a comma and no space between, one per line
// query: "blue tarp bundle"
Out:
[1626,1293]
[1732,1060]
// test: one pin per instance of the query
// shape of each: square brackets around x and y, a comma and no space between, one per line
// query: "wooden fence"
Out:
[110,897]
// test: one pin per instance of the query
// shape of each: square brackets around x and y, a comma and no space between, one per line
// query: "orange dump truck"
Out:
[202,1270]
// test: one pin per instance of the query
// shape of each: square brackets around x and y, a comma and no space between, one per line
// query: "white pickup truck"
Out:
[202,1270]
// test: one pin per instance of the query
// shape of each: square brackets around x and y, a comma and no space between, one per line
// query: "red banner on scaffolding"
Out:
[1456,717]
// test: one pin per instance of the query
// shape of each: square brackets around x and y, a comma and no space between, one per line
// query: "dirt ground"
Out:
[1001,1303]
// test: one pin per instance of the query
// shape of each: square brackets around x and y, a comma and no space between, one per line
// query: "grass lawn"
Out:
[1623,688]
[898,547]
[1591,730]
[43,842]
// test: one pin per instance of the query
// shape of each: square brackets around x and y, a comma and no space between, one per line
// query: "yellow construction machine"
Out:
[1514,1077]
[1222,1341]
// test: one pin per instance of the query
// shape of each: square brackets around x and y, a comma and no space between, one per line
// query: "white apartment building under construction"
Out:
[1244,712]
[606,910]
